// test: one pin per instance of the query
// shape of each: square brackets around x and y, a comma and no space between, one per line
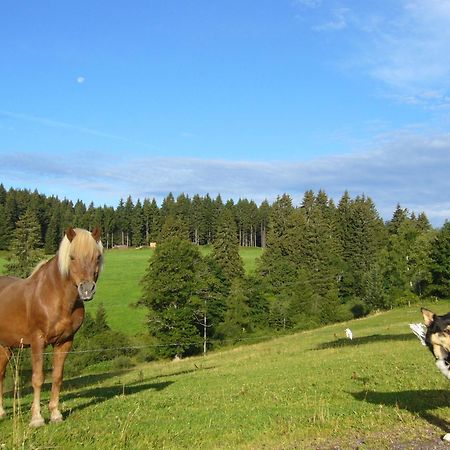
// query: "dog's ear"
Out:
[428,316]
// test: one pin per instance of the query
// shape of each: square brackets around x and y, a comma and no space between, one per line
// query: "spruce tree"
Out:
[54,232]
[137,225]
[237,321]
[174,227]
[100,321]
[275,267]
[170,292]
[263,218]
[364,238]
[25,252]
[440,263]
[196,220]
[399,216]
[226,249]
[5,230]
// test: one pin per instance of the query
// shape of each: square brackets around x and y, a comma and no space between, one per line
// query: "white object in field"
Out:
[420,330]
[349,333]
[446,437]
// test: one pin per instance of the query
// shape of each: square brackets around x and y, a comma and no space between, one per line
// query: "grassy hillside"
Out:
[119,288]
[315,389]
[119,285]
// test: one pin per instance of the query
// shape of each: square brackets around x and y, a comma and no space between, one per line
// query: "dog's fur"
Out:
[437,339]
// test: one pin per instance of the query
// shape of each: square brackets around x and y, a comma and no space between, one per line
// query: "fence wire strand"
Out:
[174,344]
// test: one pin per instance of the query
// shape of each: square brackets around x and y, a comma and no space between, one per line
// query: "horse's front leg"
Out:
[37,358]
[60,352]
[5,355]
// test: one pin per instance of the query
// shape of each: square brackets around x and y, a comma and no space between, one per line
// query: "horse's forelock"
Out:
[83,244]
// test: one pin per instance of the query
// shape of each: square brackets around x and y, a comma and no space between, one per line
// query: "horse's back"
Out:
[6,280]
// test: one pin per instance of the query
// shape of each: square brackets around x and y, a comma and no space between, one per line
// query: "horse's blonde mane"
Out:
[82,244]
[38,266]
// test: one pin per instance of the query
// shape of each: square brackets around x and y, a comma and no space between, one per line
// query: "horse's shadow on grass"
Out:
[417,402]
[102,394]
[345,342]
[95,395]
[69,383]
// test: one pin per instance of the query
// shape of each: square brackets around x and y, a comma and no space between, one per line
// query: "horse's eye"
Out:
[72,258]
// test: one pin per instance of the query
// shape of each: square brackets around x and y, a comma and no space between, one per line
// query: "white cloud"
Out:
[339,21]
[408,52]
[407,169]
[307,3]
[80,80]
[405,47]
[51,123]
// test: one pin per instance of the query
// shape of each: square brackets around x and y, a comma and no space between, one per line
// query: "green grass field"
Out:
[312,390]
[119,285]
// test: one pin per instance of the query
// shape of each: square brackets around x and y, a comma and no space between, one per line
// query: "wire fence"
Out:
[172,344]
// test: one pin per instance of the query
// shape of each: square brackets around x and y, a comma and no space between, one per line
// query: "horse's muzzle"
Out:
[86,290]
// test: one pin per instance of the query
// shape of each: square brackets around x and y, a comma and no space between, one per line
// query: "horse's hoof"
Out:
[2,415]
[56,417]
[38,422]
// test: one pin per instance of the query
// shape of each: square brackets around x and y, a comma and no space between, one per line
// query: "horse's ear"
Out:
[96,233]
[70,233]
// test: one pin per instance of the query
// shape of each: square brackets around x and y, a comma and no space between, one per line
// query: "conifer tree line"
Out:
[322,262]
[131,223]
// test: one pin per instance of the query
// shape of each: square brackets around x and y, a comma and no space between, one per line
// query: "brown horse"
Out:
[47,308]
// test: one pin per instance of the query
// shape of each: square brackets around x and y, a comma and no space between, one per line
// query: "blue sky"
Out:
[101,100]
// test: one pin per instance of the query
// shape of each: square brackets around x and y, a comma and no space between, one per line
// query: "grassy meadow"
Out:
[119,285]
[311,390]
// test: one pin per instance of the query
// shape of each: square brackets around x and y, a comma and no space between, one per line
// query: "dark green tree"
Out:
[100,321]
[151,218]
[174,227]
[362,237]
[25,251]
[170,292]
[440,263]
[54,231]
[137,225]
[399,216]
[275,266]
[226,248]
[237,320]
[5,229]
[79,215]
[264,213]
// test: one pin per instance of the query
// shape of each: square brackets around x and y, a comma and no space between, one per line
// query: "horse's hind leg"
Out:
[5,354]
[59,356]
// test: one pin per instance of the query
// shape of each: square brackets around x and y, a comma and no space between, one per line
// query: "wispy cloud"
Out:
[338,21]
[307,3]
[406,52]
[408,169]
[403,47]
[47,122]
